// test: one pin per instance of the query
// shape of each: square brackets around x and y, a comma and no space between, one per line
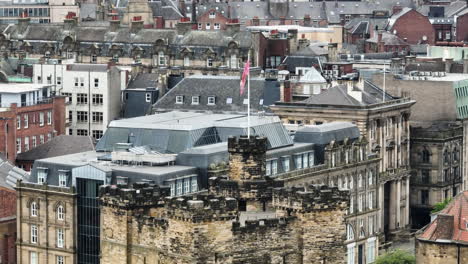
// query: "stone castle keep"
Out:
[245,217]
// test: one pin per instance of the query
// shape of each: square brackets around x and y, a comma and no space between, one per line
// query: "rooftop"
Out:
[451,223]
[58,146]
[17,88]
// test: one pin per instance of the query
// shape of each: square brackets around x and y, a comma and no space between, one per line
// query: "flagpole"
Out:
[248,97]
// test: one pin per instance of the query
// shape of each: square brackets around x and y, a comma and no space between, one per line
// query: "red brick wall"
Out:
[219,18]
[7,202]
[462,28]
[413,26]
[57,108]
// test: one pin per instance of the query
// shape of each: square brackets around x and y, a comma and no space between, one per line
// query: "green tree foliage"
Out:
[440,206]
[396,257]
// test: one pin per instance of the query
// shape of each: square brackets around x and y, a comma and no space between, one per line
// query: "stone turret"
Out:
[247,157]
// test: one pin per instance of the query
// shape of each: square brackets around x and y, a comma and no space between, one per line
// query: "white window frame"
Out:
[18,145]
[33,210]
[26,120]
[41,139]
[60,213]
[208,26]
[305,160]
[18,122]
[274,167]
[268,168]
[63,179]
[194,182]
[26,143]
[161,59]
[41,176]
[179,184]
[34,234]
[195,100]
[286,164]
[370,201]
[41,119]
[212,14]
[298,161]
[49,117]
[179,99]
[33,259]
[96,82]
[217,26]
[311,159]
[34,141]
[211,100]
[186,61]
[209,62]
[371,250]
[148,97]
[60,238]
[187,184]
[350,254]
[60,260]
[233,61]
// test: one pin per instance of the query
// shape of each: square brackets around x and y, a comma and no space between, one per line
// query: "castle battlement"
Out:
[243,144]
[261,224]
[255,188]
[201,208]
[141,195]
[307,199]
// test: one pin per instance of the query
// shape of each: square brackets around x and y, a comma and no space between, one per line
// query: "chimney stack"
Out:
[184,26]
[255,21]
[233,26]
[293,41]
[114,22]
[307,22]
[137,24]
[23,21]
[448,65]
[70,21]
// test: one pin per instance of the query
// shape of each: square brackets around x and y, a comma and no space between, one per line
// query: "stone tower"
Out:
[138,8]
[247,157]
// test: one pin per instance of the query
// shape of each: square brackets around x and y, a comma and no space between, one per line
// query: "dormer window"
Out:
[212,14]
[195,100]
[179,99]
[211,100]
[209,62]
[42,175]
[63,178]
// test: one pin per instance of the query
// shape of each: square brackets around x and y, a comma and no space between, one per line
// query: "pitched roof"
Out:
[9,174]
[292,62]
[338,95]
[388,39]
[58,146]
[226,91]
[450,224]
[144,80]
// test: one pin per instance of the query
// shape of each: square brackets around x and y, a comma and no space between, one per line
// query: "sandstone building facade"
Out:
[47,225]
[385,124]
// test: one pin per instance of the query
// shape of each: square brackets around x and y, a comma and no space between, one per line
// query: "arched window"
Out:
[455,154]
[60,212]
[33,209]
[446,156]
[426,156]
[349,232]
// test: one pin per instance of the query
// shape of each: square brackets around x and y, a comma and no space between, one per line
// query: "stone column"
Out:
[392,206]
[407,209]
[381,215]
[398,222]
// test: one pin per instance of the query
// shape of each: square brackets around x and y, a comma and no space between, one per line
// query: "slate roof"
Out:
[9,174]
[292,62]
[144,80]
[454,8]
[58,146]
[338,95]
[327,132]
[388,39]
[450,224]
[170,12]
[226,90]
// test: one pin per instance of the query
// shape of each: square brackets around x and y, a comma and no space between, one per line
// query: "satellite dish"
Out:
[394,32]
[424,37]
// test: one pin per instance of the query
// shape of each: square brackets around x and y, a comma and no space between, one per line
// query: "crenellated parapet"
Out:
[313,197]
[141,195]
[201,208]
[247,189]
[247,157]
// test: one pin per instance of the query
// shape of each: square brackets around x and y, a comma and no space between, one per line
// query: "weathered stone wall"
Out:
[207,229]
[247,157]
[440,253]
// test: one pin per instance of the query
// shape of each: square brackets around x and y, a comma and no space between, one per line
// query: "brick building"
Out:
[25,127]
[462,26]
[412,27]
[445,239]
[212,19]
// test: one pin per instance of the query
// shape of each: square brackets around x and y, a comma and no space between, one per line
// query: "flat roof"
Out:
[91,158]
[179,120]
[21,87]
[449,77]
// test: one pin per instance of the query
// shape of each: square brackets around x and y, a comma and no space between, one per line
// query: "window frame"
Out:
[211,100]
